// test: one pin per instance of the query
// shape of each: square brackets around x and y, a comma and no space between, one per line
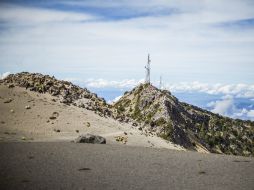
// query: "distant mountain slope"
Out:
[184,124]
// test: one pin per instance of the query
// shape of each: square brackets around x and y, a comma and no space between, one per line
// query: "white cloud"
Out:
[4,75]
[237,90]
[250,113]
[241,113]
[23,15]
[115,99]
[228,91]
[223,106]
[227,107]
[102,83]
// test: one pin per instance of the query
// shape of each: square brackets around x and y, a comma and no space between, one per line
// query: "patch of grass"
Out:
[120,109]
[139,90]
[164,136]
[167,131]
[156,106]
[137,112]
[161,121]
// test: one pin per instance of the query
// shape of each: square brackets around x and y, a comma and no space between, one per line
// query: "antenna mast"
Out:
[147,67]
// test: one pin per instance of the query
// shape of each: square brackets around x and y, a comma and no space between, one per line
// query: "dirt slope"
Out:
[31,116]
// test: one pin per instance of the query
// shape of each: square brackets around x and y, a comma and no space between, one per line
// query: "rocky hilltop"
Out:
[186,125]
[67,92]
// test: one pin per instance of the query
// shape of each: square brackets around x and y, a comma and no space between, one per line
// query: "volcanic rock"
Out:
[89,138]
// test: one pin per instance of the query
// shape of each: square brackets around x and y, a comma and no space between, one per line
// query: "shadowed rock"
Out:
[89,138]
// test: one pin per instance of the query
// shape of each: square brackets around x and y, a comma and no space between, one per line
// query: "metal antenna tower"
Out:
[147,67]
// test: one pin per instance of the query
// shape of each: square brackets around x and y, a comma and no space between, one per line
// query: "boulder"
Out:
[89,138]
[11,86]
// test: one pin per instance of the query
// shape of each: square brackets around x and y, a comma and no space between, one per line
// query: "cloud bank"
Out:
[236,90]
[103,83]
[227,107]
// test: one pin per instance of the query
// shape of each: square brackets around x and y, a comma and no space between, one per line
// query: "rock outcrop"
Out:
[67,92]
[191,127]
[89,138]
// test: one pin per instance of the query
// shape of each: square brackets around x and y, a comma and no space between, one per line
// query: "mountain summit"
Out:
[184,124]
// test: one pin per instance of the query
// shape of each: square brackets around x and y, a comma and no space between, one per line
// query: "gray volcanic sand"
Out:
[59,165]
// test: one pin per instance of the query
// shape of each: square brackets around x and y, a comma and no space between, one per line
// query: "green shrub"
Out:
[139,90]
[156,106]
[167,131]
[121,108]
[161,121]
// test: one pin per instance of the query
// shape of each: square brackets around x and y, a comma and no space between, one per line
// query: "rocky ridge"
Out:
[193,128]
[64,91]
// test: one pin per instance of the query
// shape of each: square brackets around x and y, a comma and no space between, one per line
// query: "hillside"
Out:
[186,125]
[39,108]
[68,93]
[145,112]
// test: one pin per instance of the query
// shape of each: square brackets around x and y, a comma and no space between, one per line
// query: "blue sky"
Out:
[202,46]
